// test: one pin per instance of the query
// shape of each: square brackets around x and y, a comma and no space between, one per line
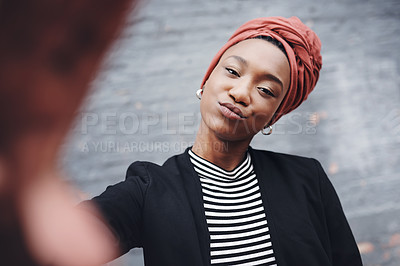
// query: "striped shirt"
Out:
[235,214]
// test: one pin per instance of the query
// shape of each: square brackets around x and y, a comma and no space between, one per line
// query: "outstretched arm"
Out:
[50,50]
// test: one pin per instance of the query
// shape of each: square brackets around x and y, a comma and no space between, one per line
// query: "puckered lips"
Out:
[231,112]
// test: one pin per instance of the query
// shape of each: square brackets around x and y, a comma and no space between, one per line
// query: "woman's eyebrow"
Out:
[276,79]
[240,59]
[268,76]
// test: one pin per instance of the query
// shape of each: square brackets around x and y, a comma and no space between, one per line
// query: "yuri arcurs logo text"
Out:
[134,146]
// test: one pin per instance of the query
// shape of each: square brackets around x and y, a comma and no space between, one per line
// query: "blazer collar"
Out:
[266,172]
[192,186]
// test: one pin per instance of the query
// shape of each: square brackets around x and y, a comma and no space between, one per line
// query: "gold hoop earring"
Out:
[199,93]
[266,133]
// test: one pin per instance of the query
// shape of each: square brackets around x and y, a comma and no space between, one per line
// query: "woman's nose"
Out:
[241,94]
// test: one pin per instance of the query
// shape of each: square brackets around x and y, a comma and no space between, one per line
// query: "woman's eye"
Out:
[266,91]
[232,72]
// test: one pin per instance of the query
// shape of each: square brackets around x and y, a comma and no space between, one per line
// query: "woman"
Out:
[222,202]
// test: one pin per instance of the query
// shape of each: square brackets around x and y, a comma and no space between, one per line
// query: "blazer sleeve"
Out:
[343,245]
[121,207]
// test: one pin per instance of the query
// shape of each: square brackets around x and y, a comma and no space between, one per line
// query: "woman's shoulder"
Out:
[288,163]
[272,155]
[146,168]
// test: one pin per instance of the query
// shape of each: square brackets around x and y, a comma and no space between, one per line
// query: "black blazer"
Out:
[160,208]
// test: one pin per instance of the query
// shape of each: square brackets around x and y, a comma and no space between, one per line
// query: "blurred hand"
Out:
[50,51]
[58,233]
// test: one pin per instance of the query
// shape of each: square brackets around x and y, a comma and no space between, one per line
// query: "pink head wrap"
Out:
[302,47]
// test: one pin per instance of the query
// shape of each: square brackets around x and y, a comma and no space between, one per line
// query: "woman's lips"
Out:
[231,112]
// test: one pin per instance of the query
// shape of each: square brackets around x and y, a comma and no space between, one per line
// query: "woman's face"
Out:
[245,89]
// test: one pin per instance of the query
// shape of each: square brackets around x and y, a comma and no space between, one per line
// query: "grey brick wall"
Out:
[143,105]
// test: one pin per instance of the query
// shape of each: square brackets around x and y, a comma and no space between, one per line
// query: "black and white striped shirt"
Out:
[235,215]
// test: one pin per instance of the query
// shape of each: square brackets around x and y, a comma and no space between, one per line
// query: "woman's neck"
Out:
[224,153]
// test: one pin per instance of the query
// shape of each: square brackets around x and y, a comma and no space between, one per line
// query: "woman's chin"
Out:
[234,135]
[227,130]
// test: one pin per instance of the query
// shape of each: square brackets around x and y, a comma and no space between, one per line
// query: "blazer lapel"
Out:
[265,171]
[192,186]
